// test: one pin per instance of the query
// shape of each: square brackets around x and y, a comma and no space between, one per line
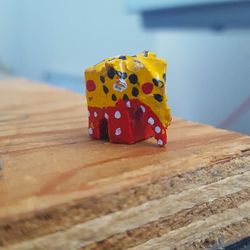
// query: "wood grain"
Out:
[60,188]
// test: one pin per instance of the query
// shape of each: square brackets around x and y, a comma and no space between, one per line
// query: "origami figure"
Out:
[126,99]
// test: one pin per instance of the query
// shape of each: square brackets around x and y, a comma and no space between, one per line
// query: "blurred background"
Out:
[206,44]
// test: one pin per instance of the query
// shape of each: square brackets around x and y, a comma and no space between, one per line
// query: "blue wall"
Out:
[8,35]
[208,73]
[64,37]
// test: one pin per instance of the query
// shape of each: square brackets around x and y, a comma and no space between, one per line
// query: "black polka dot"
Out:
[158,97]
[122,75]
[122,57]
[145,53]
[111,73]
[125,97]
[105,89]
[135,92]
[134,56]
[114,98]
[164,77]
[161,84]
[156,82]
[102,79]
[133,78]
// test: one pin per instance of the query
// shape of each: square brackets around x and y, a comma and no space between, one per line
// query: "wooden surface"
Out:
[59,189]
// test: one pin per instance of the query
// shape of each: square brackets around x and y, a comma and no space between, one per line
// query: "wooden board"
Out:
[59,189]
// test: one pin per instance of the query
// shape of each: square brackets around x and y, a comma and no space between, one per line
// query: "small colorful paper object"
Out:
[126,99]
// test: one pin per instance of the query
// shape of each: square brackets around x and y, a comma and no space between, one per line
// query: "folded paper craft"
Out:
[126,99]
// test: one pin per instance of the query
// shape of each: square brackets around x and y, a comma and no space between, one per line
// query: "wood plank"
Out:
[134,218]
[56,182]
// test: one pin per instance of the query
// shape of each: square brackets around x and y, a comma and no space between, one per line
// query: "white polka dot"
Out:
[117,115]
[128,104]
[90,131]
[95,114]
[106,116]
[160,142]
[157,129]
[88,113]
[151,121]
[143,109]
[118,131]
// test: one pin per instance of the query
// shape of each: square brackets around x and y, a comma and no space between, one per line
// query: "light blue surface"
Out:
[196,14]
[145,5]
[208,73]
[46,37]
